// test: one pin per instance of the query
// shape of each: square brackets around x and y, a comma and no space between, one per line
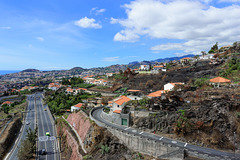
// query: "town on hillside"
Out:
[195,100]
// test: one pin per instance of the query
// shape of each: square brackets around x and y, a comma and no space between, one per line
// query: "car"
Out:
[43,151]
[45,109]
[47,134]
[27,122]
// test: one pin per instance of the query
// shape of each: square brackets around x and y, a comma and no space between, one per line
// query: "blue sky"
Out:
[60,34]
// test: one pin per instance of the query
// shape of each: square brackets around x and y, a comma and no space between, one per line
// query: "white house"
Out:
[145,67]
[119,103]
[54,86]
[170,86]
[76,107]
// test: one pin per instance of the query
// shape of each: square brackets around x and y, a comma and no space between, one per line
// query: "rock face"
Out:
[99,142]
[80,121]
[211,123]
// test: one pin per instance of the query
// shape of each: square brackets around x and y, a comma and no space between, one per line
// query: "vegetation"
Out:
[105,149]
[201,82]
[59,101]
[233,68]
[76,82]
[214,48]
[28,146]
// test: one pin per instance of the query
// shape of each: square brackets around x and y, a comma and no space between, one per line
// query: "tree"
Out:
[5,108]
[214,48]
[28,146]
[203,53]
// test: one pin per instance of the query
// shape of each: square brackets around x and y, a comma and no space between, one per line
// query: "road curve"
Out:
[96,114]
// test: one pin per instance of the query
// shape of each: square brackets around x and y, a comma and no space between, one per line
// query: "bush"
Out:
[201,82]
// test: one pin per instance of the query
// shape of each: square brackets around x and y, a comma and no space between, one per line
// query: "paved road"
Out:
[45,124]
[158,138]
[30,117]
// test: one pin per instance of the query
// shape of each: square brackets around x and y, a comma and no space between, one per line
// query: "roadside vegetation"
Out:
[28,146]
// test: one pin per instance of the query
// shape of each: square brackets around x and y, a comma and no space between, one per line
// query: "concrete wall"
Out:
[145,145]
[149,146]
[115,118]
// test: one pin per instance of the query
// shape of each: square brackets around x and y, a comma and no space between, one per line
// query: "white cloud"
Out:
[40,38]
[230,1]
[111,59]
[87,23]
[6,27]
[195,23]
[113,20]
[97,11]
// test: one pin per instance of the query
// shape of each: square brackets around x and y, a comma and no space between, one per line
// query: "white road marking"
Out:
[185,144]
[160,138]
[141,133]
[127,128]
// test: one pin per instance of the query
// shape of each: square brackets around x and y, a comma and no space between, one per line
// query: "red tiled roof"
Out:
[220,80]
[84,89]
[117,111]
[156,94]
[79,105]
[122,99]
[133,90]
[177,83]
[7,102]
[69,90]
[158,66]
[186,58]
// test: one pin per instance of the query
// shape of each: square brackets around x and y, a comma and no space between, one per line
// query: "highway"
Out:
[45,124]
[30,117]
[203,150]
[36,111]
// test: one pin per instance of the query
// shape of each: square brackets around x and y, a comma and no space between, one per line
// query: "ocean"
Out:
[3,72]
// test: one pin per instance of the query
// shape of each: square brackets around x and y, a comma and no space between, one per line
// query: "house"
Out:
[109,74]
[224,48]
[135,94]
[76,107]
[54,86]
[158,68]
[206,57]
[7,102]
[81,90]
[185,60]
[145,67]
[119,103]
[156,94]
[70,90]
[110,103]
[219,81]
[170,86]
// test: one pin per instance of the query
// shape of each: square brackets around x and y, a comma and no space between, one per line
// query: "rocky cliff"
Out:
[99,143]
